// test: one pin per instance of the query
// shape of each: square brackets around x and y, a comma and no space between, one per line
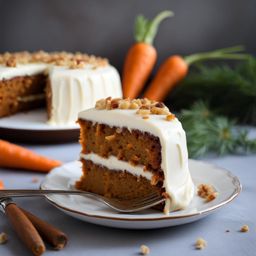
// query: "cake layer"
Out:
[133,146]
[114,183]
[21,93]
[177,183]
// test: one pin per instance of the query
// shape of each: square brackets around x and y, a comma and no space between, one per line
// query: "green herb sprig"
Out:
[229,91]
[208,132]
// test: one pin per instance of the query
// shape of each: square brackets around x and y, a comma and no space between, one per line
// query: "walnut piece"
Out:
[244,228]
[207,192]
[144,250]
[3,238]
[200,244]
[170,117]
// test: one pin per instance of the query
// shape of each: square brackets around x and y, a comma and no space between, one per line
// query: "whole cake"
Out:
[65,83]
[133,147]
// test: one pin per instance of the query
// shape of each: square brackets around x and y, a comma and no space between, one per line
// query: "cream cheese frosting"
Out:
[177,180]
[72,89]
[113,163]
[28,69]
[77,89]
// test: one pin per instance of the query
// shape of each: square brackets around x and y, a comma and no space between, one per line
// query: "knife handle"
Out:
[25,229]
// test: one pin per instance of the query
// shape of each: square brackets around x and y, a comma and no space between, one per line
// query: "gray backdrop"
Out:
[106,27]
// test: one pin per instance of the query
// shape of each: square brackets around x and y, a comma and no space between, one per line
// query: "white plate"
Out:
[32,120]
[86,209]
[31,126]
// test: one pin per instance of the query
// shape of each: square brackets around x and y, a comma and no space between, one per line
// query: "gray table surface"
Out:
[89,239]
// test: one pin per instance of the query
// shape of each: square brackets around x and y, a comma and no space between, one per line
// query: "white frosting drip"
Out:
[72,89]
[114,164]
[77,89]
[177,180]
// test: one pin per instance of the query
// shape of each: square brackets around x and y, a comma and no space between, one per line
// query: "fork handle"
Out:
[36,192]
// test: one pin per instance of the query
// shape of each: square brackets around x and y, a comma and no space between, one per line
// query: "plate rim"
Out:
[235,181]
[48,128]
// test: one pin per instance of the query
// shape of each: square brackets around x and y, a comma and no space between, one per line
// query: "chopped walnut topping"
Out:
[134,105]
[143,112]
[207,192]
[110,137]
[124,104]
[11,62]
[3,238]
[159,111]
[144,107]
[159,105]
[200,244]
[244,228]
[100,104]
[144,250]
[73,61]
[170,117]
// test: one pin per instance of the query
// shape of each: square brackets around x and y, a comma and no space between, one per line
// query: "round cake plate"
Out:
[32,127]
[90,210]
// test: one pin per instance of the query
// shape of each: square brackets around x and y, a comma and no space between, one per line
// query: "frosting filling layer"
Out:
[113,163]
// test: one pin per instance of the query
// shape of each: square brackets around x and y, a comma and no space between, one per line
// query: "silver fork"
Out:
[120,205]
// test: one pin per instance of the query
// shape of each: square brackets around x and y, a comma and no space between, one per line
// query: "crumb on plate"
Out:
[3,238]
[200,244]
[144,250]
[244,228]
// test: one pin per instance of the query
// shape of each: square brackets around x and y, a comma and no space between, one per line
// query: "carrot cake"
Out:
[133,147]
[63,83]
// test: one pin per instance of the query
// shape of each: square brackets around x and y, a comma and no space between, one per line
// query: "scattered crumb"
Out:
[145,117]
[244,228]
[200,244]
[3,238]
[144,250]
[207,192]
[35,180]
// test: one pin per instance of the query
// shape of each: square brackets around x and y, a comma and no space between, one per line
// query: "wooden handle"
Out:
[50,234]
[25,229]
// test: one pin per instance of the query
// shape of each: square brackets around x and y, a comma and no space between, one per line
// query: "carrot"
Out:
[175,68]
[141,57]
[1,184]
[14,156]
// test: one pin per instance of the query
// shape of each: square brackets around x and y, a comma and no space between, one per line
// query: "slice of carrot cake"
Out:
[63,82]
[133,147]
